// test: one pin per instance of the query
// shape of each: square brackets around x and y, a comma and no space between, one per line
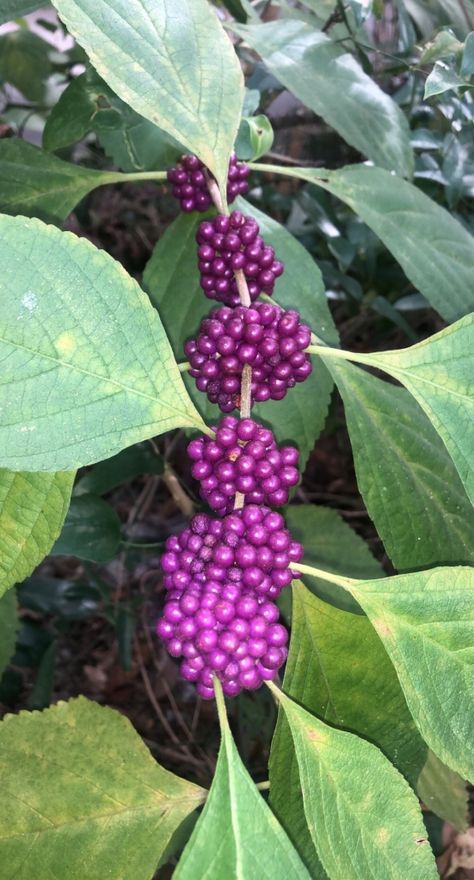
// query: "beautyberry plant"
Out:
[261,599]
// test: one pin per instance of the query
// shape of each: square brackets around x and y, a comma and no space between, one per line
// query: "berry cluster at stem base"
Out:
[222,577]
[272,341]
[229,243]
[245,458]
[189,183]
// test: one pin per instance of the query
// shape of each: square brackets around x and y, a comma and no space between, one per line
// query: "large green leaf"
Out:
[88,104]
[338,669]
[331,544]
[83,797]
[171,62]
[11,9]
[32,511]
[409,484]
[172,277]
[331,82]
[439,373]
[91,530]
[39,185]
[86,366]
[425,621]
[8,628]
[236,834]
[435,250]
[363,818]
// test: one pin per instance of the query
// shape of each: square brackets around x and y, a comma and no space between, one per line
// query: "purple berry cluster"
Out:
[243,457]
[229,243]
[222,578]
[270,340]
[189,182]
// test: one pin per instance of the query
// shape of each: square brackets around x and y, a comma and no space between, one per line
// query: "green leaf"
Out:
[36,184]
[438,372]
[171,276]
[425,621]
[331,544]
[83,796]
[467,63]
[71,117]
[8,628]
[119,469]
[434,250]
[32,511]
[87,369]
[236,834]
[442,78]
[172,63]
[444,44]
[443,792]
[363,818]
[42,690]
[91,530]
[331,82]
[24,62]
[133,142]
[11,9]
[254,138]
[409,484]
[338,669]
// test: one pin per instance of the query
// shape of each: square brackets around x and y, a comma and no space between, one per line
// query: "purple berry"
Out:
[189,186]
[277,354]
[241,248]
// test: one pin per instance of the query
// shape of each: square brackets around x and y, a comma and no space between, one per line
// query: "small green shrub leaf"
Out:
[133,142]
[363,817]
[171,62]
[11,9]
[87,368]
[237,835]
[32,511]
[8,628]
[434,249]
[91,530]
[83,796]
[331,82]
[410,486]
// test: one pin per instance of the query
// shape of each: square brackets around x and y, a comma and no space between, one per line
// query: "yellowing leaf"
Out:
[83,797]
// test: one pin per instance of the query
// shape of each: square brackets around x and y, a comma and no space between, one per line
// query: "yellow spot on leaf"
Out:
[65,343]
[382,835]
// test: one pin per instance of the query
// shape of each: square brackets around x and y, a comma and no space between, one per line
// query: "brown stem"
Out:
[215,194]
[244,296]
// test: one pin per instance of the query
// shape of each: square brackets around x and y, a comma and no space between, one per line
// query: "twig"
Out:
[151,696]
[179,496]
